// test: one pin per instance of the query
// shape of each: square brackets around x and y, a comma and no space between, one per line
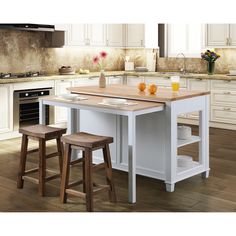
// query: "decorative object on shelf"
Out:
[66,70]
[184,161]
[210,57]
[98,60]
[184,132]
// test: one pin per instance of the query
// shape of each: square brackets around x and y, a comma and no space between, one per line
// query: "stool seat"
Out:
[42,131]
[87,140]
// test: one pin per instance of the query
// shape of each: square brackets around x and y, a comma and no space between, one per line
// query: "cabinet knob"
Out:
[227,109]
[227,93]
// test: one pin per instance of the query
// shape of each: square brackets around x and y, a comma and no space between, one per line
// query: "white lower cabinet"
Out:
[6,108]
[134,81]
[61,88]
[223,114]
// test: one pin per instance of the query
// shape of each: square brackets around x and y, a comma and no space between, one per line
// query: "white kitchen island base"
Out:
[145,141]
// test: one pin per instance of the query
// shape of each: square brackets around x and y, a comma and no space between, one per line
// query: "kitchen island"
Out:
[145,132]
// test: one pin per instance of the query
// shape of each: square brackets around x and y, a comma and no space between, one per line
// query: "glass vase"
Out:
[102,79]
[210,68]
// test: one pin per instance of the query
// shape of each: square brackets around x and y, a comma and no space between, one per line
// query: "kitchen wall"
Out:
[22,50]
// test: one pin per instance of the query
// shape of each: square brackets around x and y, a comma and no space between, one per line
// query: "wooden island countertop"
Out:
[131,92]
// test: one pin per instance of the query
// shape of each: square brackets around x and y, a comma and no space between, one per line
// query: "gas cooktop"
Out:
[21,75]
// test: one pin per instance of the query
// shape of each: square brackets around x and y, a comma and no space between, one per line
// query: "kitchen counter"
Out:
[120,73]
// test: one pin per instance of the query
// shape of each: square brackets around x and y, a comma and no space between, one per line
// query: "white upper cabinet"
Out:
[135,35]
[232,34]
[111,35]
[96,34]
[217,34]
[115,35]
[77,35]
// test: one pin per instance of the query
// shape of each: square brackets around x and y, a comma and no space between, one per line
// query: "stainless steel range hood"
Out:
[28,27]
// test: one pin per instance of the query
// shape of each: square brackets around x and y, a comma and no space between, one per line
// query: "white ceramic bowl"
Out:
[184,161]
[114,101]
[184,132]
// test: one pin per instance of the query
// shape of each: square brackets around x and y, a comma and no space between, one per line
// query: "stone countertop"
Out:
[120,73]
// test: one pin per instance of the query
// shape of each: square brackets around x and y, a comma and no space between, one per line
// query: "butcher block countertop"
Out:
[96,101]
[131,92]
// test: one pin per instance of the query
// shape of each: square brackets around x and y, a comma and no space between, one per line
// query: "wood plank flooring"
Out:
[216,194]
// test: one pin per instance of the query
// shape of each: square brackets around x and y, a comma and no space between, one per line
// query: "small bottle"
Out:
[102,80]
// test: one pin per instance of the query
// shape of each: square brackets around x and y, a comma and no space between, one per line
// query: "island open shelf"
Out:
[193,139]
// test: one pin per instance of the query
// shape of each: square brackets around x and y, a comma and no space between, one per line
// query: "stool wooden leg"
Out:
[83,166]
[23,155]
[108,167]
[88,179]
[42,166]
[65,173]
[60,150]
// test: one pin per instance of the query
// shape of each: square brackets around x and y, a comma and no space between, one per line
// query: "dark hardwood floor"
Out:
[216,194]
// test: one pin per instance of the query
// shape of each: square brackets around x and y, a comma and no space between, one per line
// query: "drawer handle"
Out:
[227,93]
[227,81]
[227,109]
[199,79]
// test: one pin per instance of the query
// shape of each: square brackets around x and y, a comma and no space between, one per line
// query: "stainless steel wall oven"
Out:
[26,107]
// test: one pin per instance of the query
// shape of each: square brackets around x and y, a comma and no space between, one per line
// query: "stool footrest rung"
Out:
[100,188]
[76,161]
[54,154]
[31,179]
[75,193]
[51,177]
[98,166]
[32,151]
[31,171]
[75,183]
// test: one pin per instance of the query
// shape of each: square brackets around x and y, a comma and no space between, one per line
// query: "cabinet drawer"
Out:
[224,98]
[86,81]
[223,85]
[198,84]
[223,114]
[165,82]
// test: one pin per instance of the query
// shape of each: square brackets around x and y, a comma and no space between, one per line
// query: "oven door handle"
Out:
[27,101]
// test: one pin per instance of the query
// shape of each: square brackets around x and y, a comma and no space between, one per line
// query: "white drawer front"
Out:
[165,82]
[198,84]
[223,85]
[223,114]
[225,98]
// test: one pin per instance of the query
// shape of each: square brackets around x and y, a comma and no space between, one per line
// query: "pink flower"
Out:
[95,60]
[103,54]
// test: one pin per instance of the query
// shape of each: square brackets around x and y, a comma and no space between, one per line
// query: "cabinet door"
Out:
[77,35]
[116,80]
[232,33]
[135,35]
[115,35]
[133,81]
[6,108]
[217,34]
[61,88]
[97,34]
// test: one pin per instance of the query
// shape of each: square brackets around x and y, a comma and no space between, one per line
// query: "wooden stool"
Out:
[41,133]
[87,143]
